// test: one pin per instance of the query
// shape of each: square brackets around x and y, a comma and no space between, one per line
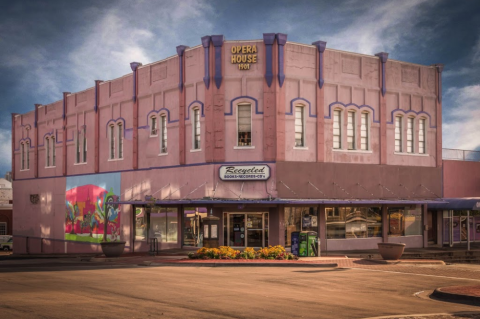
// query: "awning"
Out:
[279,201]
[457,204]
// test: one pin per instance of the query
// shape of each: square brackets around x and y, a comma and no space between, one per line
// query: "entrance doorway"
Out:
[246,230]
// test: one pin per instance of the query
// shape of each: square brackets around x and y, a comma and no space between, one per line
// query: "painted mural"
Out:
[88,199]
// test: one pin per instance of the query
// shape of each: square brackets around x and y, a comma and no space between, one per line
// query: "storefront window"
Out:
[193,233]
[140,224]
[353,222]
[299,219]
[404,222]
[163,224]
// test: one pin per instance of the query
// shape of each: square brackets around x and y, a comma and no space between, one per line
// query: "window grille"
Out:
[410,135]
[351,131]
[337,131]
[398,134]
[364,132]
[421,136]
[299,128]
[244,125]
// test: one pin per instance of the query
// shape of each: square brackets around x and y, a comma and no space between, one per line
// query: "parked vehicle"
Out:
[6,242]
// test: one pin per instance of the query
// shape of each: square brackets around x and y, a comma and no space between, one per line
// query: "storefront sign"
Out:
[244,172]
[244,55]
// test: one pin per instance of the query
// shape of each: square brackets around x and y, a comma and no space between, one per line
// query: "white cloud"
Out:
[5,149]
[460,122]
[381,28]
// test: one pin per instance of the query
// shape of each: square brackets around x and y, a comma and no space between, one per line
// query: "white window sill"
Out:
[163,154]
[301,148]
[154,135]
[50,166]
[250,147]
[196,150]
[115,159]
[411,154]
[84,163]
[24,170]
[353,151]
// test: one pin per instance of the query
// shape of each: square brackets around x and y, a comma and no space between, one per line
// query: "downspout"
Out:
[134,66]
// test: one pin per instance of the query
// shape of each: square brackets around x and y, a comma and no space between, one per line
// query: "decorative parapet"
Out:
[180,50]
[281,40]
[134,66]
[439,68]
[268,39]
[218,43]
[383,58]
[206,47]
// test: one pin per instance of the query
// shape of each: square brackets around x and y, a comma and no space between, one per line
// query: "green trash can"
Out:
[312,244]
[303,244]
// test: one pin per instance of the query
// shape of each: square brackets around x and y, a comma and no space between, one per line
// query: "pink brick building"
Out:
[271,136]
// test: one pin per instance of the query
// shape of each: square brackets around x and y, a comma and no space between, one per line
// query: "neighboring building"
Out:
[271,136]
[8,176]
[6,200]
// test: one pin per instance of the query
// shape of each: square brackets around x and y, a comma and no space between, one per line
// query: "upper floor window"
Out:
[244,115]
[25,155]
[337,130]
[120,140]
[163,134]
[85,144]
[153,126]
[299,126]
[421,136]
[364,136]
[50,151]
[77,148]
[398,134]
[112,141]
[196,129]
[410,134]
[351,131]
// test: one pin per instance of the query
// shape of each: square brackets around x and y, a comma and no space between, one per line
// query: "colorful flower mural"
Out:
[88,200]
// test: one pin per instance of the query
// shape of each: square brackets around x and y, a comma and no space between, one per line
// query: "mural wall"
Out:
[88,200]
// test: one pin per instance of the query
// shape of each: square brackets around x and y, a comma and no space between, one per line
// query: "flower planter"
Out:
[113,248]
[391,251]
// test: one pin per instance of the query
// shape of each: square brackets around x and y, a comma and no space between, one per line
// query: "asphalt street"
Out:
[54,289]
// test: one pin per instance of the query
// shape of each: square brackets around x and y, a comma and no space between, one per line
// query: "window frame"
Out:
[366,116]
[340,135]
[351,115]
[84,145]
[410,135]
[422,122]
[303,121]
[22,156]
[120,140]
[196,126]
[399,120]
[53,151]
[77,148]
[163,134]
[112,142]
[6,227]
[154,127]
[47,151]
[238,124]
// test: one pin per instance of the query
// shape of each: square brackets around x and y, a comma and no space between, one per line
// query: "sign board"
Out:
[244,55]
[244,172]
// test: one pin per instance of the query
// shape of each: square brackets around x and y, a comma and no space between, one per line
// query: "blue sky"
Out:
[50,47]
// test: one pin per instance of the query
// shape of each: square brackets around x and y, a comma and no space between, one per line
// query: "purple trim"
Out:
[321,45]
[268,39]
[412,111]
[383,58]
[73,137]
[351,104]
[115,121]
[206,48]
[218,43]
[25,139]
[243,97]
[301,99]
[158,112]
[439,68]
[281,40]
[188,109]
[180,50]
[134,66]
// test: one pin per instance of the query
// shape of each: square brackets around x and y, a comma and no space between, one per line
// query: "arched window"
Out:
[244,125]
[53,150]
[47,151]
[120,140]
[337,129]
[163,133]
[351,145]
[22,156]
[84,144]
[112,141]
[299,126]
[153,126]
[364,132]
[196,129]
[410,135]
[398,134]
[422,149]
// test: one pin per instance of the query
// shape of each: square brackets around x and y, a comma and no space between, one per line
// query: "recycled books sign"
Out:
[244,172]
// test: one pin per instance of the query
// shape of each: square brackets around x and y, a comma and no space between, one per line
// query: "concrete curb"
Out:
[215,264]
[447,296]
[407,262]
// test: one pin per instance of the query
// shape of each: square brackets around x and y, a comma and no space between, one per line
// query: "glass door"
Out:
[236,229]
[255,230]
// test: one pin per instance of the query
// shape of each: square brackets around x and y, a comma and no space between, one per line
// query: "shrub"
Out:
[226,252]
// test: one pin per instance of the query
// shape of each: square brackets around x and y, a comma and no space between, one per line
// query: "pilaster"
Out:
[383,57]
[438,115]
[181,106]
[134,66]
[320,101]
[64,145]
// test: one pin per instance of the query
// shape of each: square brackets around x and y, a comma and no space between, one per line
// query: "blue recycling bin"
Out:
[295,236]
